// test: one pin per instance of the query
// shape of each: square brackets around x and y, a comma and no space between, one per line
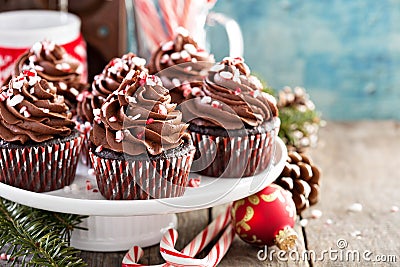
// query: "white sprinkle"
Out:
[164,59]
[206,100]
[226,75]
[138,61]
[394,209]
[39,68]
[137,116]
[194,60]
[303,222]
[24,108]
[355,207]
[10,92]
[112,119]
[185,54]
[18,82]
[36,48]
[143,75]
[32,90]
[182,31]
[131,99]
[74,91]
[63,86]
[175,56]
[176,82]
[130,74]
[217,67]
[167,46]
[188,68]
[190,48]
[119,136]
[45,110]
[329,221]
[316,214]
[236,74]
[15,100]
[96,112]
[215,104]
[196,91]
[27,114]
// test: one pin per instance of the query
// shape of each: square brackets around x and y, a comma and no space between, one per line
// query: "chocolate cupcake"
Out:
[141,149]
[232,121]
[39,144]
[54,64]
[102,86]
[181,64]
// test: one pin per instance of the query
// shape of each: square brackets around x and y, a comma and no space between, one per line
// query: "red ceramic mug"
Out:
[19,30]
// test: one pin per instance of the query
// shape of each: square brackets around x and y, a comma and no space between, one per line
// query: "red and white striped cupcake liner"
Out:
[233,156]
[85,129]
[142,179]
[41,168]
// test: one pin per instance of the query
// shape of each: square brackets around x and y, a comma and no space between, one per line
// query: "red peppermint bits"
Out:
[3,96]
[29,73]
[149,121]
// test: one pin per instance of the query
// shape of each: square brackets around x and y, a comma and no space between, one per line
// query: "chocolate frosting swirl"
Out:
[231,98]
[54,64]
[107,82]
[180,60]
[139,118]
[30,110]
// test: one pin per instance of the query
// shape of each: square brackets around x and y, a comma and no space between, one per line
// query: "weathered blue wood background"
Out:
[345,53]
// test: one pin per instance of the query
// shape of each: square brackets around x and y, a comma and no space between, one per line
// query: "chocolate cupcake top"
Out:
[180,60]
[54,64]
[30,110]
[107,82]
[138,118]
[230,98]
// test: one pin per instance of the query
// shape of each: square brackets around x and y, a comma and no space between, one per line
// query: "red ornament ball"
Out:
[266,218]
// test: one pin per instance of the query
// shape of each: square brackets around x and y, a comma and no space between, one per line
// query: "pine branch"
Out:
[34,237]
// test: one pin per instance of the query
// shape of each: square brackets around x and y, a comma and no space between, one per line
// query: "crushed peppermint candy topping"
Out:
[138,61]
[96,112]
[206,100]
[27,114]
[194,182]
[164,59]
[226,75]
[182,31]
[196,91]
[149,121]
[130,74]
[36,48]
[97,119]
[216,104]
[137,116]
[88,185]
[45,110]
[63,66]
[162,110]
[185,54]
[131,99]
[112,119]
[238,91]
[254,93]
[190,48]
[175,56]
[15,100]
[63,86]
[23,109]
[3,96]
[119,136]
[188,68]
[176,82]
[167,46]
[99,149]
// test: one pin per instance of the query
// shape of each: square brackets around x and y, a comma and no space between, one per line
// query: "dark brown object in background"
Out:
[103,26]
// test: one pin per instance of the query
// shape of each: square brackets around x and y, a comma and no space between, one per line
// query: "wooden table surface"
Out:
[360,162]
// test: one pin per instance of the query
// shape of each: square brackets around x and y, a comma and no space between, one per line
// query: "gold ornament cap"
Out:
[286,238]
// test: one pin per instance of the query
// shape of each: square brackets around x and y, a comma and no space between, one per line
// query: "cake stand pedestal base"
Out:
[108,234]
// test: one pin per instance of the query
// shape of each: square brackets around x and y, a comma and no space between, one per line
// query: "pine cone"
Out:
[302,178]
[300,121]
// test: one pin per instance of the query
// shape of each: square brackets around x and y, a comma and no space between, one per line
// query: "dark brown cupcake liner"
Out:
[233,156]
[142,178]
[41,168]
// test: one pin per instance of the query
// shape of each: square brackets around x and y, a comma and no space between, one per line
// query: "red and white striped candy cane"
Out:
[195,246]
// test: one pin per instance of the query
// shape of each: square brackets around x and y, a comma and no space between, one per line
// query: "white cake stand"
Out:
[117,225]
